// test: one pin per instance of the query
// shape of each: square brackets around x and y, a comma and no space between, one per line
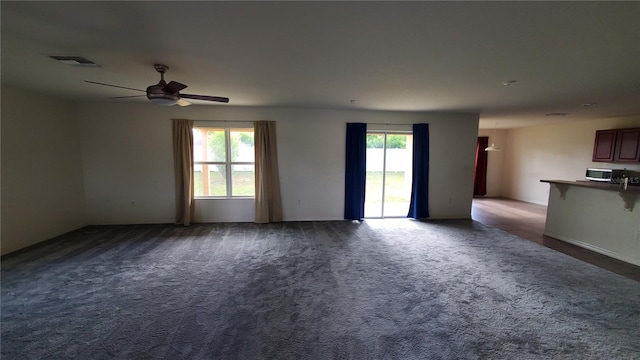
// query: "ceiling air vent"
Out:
[74,60]
[556,114]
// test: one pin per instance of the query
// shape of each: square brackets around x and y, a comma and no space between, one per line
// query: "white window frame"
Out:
[228,164]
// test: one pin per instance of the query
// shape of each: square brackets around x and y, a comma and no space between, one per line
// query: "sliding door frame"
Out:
[385,134]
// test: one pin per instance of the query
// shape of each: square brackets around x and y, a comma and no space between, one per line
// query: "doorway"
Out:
[389,174]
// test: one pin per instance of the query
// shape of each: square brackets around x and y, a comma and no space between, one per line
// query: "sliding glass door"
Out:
[388,182]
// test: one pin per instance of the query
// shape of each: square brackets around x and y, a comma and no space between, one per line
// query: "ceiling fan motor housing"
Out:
[157,95]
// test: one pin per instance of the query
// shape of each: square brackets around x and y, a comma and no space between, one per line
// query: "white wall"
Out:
[553,152]
[42,185]
[128,162]
[495,160]
[452,159]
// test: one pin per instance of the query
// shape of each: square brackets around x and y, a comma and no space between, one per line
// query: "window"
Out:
[224,164]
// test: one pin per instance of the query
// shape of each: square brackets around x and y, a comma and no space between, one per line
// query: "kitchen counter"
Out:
[600,217]
[596,185]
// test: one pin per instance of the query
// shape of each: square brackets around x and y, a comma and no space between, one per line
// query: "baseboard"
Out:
[216,221]
[498,197]
[529,201]
[594,248]
[41,243]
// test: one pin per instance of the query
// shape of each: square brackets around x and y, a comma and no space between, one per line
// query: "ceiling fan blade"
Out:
[183,102]
[126,97]
[173,87]
[121,87]
[205,97]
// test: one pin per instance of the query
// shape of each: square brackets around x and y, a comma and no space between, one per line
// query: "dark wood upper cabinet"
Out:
[604,146]
[627,147]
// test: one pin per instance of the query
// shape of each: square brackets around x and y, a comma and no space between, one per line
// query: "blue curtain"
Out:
[419,207]
[355,171]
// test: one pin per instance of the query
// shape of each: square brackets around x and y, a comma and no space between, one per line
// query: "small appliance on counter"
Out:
[613,176]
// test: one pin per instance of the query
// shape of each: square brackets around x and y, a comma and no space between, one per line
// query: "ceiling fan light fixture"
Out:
[163,99]
[164,102]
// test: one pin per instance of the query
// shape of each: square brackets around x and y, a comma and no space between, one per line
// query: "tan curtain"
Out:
[268,202]
[183,164]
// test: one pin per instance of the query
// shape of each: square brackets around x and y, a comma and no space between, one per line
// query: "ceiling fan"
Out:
[165,94]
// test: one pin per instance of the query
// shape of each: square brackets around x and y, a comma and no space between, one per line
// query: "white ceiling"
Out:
[414,56]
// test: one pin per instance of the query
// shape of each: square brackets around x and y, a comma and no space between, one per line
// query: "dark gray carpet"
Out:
[393,289]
